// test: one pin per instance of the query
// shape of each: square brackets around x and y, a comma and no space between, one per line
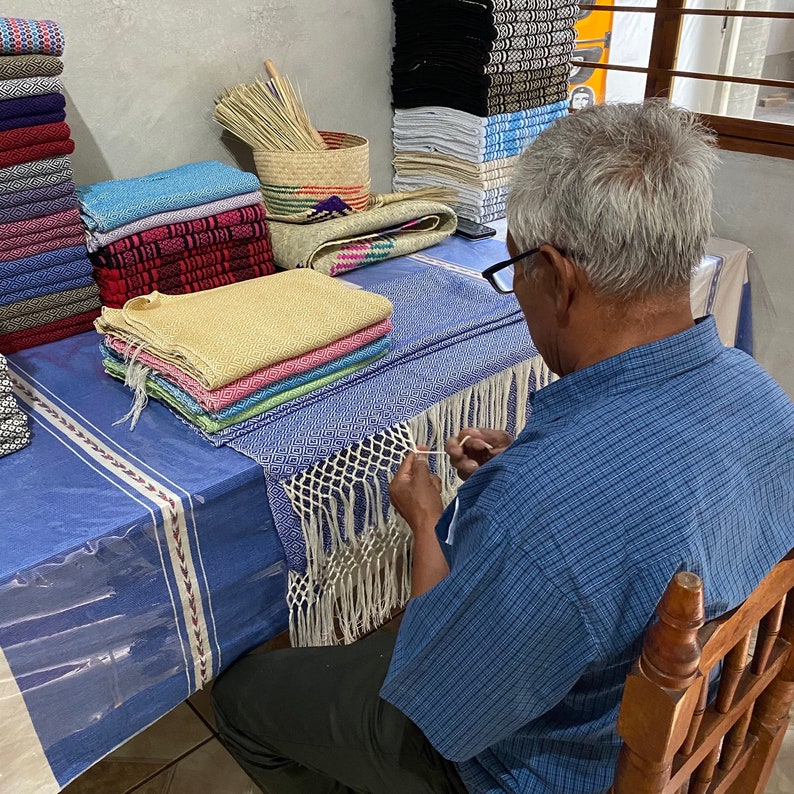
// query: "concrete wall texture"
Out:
[141,76]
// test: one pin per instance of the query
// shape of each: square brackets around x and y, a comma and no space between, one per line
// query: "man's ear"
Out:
[563,277]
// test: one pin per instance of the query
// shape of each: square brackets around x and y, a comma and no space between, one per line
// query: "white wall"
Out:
[141,76]
[754,203]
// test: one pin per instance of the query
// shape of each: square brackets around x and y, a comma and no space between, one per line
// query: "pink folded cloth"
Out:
[43,236]
[72,239]
[215,399]
[55,220]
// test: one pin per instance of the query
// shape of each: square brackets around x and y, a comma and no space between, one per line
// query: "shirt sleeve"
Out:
[491,647]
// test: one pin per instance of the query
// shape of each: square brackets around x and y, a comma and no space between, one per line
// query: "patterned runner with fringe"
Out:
[461,355]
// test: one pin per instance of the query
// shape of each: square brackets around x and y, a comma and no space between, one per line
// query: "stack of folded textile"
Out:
[225,355]
[14,432]
[47,290]
[190,228]
[474,156]
[474,82]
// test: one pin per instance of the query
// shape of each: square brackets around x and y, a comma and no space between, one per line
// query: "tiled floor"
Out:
[181,754]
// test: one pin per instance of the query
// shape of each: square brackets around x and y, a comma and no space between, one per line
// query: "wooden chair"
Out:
[675,741]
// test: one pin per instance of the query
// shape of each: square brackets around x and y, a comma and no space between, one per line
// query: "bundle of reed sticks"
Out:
[268,115]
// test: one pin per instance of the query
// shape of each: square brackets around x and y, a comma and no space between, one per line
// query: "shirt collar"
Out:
[639,366]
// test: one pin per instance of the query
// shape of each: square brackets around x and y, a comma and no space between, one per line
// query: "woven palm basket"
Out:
[294,182]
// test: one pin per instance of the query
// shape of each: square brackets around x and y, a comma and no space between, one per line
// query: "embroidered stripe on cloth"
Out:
[217,399]
[15,66]
[255,404]
[220,335]
[29,86]
[107,205]
[26,154]
[24,121]
[51,332]
[470,363]
[30,37]
[97,240]
[30,136]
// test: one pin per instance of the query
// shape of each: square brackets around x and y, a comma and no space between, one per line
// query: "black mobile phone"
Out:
[473,231]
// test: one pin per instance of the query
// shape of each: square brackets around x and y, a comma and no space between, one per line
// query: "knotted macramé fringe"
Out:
[358,583]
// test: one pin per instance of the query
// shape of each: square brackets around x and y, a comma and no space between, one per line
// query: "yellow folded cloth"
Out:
[222,334]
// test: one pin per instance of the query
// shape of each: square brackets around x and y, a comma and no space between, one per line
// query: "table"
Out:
[122,553]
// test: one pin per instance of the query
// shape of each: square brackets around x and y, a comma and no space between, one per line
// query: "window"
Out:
[732,61]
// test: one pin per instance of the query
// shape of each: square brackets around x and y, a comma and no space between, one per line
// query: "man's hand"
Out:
[416,496]
[416,493]
[474,446]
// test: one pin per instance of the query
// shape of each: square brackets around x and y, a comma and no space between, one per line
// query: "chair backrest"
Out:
[674,739]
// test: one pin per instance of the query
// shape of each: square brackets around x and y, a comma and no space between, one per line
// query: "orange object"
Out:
[587,85]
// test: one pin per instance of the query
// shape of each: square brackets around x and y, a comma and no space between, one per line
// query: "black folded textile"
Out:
[480,105]
[482,95]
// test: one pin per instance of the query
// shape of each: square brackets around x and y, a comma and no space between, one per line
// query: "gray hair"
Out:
[624,189]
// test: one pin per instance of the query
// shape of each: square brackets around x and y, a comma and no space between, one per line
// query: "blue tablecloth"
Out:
[133,565]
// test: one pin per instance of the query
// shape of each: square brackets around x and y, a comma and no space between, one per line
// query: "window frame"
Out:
[736,134]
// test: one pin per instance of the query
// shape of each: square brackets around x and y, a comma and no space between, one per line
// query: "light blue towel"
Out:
[107,205]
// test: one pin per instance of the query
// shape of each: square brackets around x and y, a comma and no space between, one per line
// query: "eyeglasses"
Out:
[500,275]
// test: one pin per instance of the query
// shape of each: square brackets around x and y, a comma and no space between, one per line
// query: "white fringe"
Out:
[358,584]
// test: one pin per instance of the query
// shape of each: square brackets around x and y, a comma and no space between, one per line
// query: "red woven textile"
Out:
[31,136]
[115,283]
[51,332]
[194,259]
[254,213]
[116,302]
[160,249]
[26,154]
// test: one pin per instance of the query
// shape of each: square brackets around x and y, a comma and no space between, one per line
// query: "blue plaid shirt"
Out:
[674,455]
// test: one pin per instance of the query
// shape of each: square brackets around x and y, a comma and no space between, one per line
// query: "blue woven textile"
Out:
[106,205]
[32,105]
[58,274]
[45,289]
[30,121]
[450,332]
[60,256]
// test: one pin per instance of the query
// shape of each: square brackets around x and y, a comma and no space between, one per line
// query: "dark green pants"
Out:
[311,721]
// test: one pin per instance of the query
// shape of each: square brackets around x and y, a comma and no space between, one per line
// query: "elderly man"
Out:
[657,450]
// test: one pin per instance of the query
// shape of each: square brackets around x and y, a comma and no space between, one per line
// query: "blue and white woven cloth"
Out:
[106,205]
